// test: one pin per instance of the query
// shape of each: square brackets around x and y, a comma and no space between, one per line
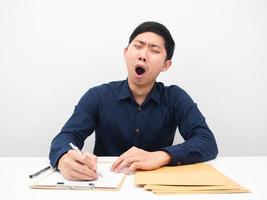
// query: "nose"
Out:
[143,56]
[142,59]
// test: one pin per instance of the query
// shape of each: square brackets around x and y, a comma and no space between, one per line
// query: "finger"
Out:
[77,158]
[76,155]
[73,170]
[122,157]
[75,175]
[116,163]
[83,159]
[92,174]
[133,167]
[125,163]
[90,160]
[122,165]
[91,156]
[83,169]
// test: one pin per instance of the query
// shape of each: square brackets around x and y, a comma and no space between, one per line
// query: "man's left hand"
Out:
[136,158]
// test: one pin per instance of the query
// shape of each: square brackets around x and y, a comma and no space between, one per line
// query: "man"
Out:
[135,119]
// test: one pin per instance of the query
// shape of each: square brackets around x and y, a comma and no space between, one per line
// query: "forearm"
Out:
[59,146]
[199,148]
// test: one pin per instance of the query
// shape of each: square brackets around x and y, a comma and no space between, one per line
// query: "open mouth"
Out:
[140,70]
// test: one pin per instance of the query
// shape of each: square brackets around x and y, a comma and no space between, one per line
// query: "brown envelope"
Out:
[197,178]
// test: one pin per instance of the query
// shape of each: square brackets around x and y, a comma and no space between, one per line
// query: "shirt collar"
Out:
[154,94]
[126,93]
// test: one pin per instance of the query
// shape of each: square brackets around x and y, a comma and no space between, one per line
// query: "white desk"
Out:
[251,172]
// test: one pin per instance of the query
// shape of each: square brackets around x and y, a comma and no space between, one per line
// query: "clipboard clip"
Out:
[91,186]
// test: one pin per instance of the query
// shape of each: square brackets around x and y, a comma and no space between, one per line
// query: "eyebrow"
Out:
[151,45]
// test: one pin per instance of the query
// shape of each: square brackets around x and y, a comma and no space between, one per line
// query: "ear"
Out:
[125,51]
[167,65]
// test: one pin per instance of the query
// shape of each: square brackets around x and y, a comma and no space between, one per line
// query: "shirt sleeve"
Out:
[200,144]
[81,124]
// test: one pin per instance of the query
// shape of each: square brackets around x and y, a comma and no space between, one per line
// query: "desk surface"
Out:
[251,172]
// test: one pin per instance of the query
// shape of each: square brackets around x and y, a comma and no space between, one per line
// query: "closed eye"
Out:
[155,51]
[137,46]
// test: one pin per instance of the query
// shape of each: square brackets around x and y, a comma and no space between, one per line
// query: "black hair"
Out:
[158,29]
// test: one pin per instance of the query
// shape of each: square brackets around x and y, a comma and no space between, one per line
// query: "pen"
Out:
[78,150]
[39,172]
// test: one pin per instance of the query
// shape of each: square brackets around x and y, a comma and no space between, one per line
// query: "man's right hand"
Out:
[76,166]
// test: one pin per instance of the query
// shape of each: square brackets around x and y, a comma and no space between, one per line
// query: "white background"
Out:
[53,51]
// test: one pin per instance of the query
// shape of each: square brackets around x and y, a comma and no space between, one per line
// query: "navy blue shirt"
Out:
[120,123]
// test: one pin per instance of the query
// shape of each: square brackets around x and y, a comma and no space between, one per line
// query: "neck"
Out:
[140,92]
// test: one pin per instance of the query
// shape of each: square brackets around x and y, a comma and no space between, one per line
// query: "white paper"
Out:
[109,179]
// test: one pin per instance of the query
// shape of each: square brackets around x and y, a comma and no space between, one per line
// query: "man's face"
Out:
[146,58]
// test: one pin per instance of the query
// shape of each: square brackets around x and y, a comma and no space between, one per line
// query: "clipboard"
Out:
[54,180]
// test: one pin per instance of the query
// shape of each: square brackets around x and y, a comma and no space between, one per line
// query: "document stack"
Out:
[200,178]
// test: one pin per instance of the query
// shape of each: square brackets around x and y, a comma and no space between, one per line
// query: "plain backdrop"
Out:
[53,51]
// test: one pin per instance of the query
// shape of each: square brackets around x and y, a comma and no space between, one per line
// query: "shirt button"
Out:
[139,108]
[137,130]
